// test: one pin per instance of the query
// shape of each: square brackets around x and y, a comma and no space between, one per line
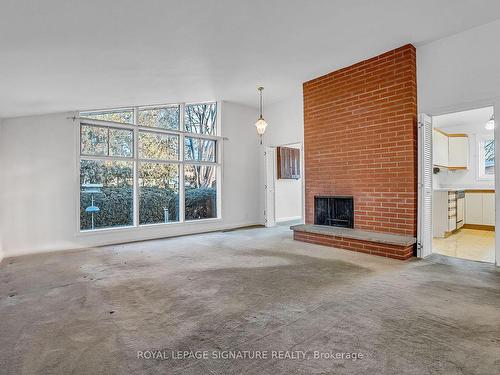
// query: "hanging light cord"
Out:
[260,106]
[260,92]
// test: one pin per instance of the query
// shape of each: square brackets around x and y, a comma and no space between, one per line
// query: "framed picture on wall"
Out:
[288,163]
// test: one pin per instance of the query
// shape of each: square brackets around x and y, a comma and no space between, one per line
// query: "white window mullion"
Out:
[219,154]
[105,158]
[136,171]
[117,125]
[135,161]
[182,200]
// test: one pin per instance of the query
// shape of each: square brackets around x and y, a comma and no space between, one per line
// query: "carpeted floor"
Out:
[241,293]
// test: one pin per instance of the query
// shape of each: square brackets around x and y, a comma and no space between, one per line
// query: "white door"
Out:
[424,227]
[269,216]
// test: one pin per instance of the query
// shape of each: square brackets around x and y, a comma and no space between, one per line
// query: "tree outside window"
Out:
[108,159]
[486,158]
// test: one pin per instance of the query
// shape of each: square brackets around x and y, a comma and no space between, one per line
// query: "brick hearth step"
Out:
[376,243]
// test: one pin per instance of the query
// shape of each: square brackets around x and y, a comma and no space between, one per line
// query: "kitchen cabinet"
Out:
[439,148]
[480,208]
[489,208]
[460,209]
[444,213]
[450,150]
[458,151]
[473,208]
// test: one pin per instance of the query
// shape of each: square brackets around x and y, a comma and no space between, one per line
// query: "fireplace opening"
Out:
[334,211]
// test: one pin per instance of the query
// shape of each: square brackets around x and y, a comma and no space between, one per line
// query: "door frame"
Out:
[424,238]
[269,183]
[495,103]
[269,193]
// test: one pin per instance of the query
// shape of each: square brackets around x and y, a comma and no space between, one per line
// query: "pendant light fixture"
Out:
[261,124]
[490,125]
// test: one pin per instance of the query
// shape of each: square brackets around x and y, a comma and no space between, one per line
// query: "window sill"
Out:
[176,224]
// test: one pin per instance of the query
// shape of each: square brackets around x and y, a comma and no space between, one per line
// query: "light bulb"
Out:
[261,125]
[490,125]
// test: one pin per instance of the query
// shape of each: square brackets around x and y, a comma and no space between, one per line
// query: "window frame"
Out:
[481,176]
[108,128]
[136,160]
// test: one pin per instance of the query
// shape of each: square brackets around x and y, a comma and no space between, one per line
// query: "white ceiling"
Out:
[475,118]
[59,55]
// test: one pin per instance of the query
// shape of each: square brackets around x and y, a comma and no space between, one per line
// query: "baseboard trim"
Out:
[290,218]
[80,247]
[479,227]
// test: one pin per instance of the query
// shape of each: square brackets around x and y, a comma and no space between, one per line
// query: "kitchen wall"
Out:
[40,177]
[466,178]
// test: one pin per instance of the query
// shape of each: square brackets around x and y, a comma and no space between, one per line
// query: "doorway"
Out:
[284,184]
[457,185]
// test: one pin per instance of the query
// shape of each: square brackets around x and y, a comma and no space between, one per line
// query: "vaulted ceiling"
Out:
[59,55]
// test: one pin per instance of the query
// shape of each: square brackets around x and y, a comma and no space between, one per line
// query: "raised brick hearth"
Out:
[360,140]
[375,243]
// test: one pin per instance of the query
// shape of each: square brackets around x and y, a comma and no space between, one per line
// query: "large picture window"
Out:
[149,165]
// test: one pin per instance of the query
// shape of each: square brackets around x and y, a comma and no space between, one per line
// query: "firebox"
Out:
[334,211]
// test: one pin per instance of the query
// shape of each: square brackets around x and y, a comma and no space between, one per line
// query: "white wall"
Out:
[461,72]
[1,189]
[288,195]
[286,120]
[286,127]
[466,178]
[40,177]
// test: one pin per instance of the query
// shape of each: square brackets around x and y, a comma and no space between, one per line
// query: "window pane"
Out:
[121,142]
[158,146]
[159,117]
[158,193]
[124,116]
[106,197]
[201,191]
[93,140]
[199,149]
[201,118]
[489,157]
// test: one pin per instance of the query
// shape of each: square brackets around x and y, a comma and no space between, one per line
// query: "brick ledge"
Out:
[357,234]
[356,240]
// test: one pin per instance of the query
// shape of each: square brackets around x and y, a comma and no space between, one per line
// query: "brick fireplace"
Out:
[360,141]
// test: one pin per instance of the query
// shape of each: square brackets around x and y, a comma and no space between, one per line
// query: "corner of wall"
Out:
[1,195]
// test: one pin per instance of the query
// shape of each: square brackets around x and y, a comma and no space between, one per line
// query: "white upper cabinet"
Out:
[458,151]
[439,148]
[450,150]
